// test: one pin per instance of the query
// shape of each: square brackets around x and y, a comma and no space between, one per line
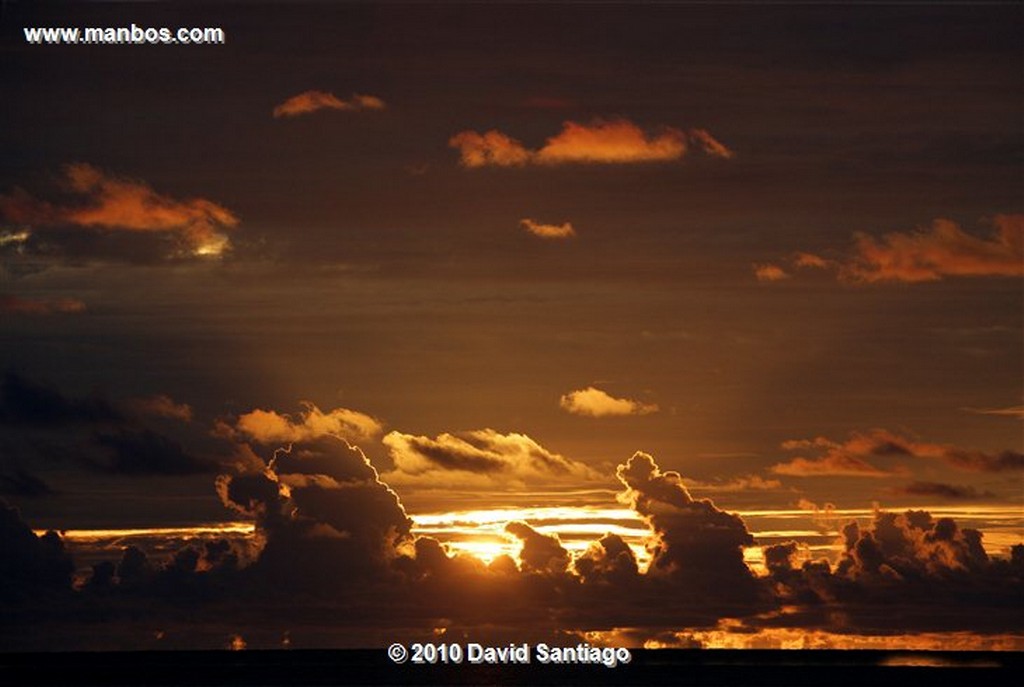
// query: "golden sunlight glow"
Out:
[200,530]
[481,532]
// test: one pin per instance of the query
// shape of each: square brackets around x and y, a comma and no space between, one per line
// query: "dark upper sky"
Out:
[372,267]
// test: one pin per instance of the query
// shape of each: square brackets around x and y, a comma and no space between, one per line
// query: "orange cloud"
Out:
[612,142]
[615,141]
[940,251]
[548,231]
[593,402]
[851,458]
[943,251]
[311,101]
[118,204]
[710,144]
[13,305]
[270,427]
[491,148]
[769,272]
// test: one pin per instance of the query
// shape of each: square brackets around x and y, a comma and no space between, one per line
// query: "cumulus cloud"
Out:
[692,541]
[14,305]
[769,272]
[851,457]
[479,457]
[323,512]
[311,101]
[613,141]
[110,203]
[593,402]
[540,552]
[548,231]
[271,427]
[30,565]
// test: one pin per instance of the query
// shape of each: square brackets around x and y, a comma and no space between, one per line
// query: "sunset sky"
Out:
[576,266]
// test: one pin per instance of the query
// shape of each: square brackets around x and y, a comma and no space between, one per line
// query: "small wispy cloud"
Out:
[311,101]
[548,231]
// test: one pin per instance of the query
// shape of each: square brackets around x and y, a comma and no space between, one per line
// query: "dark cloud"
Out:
[608,560]
[323,513]
[904,572]
[693,542]
[30,565]
[42,424]
[20,482]
[27,403]
[145,452]
[942,490]
[540,552]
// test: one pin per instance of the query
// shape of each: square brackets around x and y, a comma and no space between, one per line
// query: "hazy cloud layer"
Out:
[15,305]
[1012,411]
[100,201]
[593,402]
[311,101]
[853,457]
[942,490]
[613,141]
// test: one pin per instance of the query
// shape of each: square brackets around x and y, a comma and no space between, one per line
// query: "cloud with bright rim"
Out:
[478,458]
[112,203]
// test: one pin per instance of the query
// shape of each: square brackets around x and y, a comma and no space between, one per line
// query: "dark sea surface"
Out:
[647,667]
